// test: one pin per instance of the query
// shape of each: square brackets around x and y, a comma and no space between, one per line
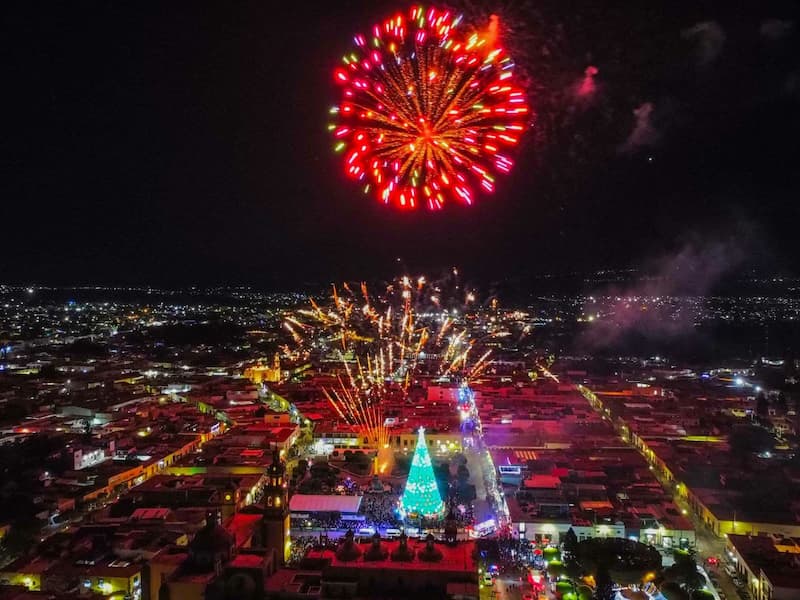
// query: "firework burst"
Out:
[383,342]
[427,112]
[407,329]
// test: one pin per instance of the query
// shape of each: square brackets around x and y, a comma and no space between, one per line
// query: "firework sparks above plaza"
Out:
[362,408]
[382,342]
[428,113]
[407,328]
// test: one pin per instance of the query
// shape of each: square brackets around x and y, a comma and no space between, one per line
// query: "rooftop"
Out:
[324,503]
[454,558]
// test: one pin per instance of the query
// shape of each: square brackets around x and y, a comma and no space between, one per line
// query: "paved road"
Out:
[708,544]
[505,587]
[476,476]
[725,584]
[510,588]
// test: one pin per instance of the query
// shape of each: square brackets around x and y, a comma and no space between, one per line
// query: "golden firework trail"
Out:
[353,406]
[386,335]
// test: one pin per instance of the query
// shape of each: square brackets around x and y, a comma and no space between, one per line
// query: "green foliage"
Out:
[627,559]
[360,458]
[551,554]
[466,493]
[573,569]
[748,439]
[604,589]
[555,568]
[562,587]
[21,538]
[762,405]
[672,591]
[301,468]
[571,541]
[441,471]
[402,464]
[684,571]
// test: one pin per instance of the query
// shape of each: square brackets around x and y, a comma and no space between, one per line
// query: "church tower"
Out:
[276,510]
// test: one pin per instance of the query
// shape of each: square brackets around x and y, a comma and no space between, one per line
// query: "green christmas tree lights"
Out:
[421,497]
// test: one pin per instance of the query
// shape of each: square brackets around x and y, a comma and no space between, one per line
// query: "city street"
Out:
[724,583]
[708,544]
[475,461]
[505,587]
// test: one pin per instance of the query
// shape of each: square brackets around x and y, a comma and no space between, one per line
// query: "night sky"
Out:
[185,142]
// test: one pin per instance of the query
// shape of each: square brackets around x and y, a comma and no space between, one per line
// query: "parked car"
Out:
[729,570]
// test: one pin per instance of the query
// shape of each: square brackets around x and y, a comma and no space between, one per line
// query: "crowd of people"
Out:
[323,521]
[303,543]
[379,503]
[463,513]
[518,554]
[380,510]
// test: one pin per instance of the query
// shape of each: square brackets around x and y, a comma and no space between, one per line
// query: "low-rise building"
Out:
[768,564]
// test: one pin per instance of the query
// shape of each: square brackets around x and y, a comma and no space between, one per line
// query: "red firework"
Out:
[427,112]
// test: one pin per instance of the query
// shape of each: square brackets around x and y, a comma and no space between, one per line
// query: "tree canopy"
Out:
[628,561]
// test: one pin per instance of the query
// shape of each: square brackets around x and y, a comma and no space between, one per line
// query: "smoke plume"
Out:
[775,29]
[649,307]
[644,132]
[709,38]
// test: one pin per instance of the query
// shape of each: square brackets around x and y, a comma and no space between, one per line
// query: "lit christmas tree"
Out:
[421,497]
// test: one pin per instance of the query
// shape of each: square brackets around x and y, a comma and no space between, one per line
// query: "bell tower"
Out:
[276,510]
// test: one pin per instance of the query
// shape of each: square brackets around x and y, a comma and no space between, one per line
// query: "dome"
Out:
[402,553]
[430,553]
[348,550]
[376,551]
